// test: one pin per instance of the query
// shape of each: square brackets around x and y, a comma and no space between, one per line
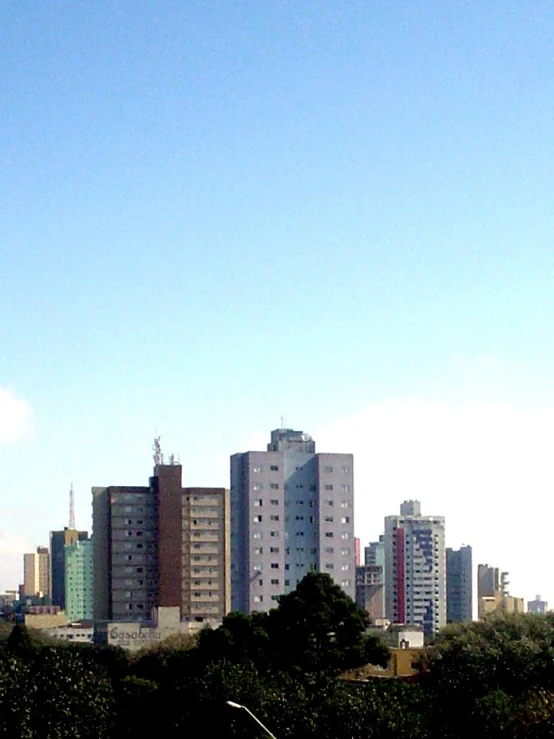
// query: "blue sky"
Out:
[217,213]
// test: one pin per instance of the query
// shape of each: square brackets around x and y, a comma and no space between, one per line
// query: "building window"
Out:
[257,468]
[258,550]
[258,519]
[275,582]
[329,502]
[257,486]
[274,550]
[275,565]
[274,486]
[329,566]
[345,488]
[329,534]
[345,470]
[345,536]
[345,519]
[274,518]
[328,487]
[345,568]
[257,535]
[275,534]
[345,551]
[258,598]
[273,501]
[327,469]
[329,519]
[274,467]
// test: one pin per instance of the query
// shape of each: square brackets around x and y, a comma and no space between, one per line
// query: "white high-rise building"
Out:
[292,512]
[415,568]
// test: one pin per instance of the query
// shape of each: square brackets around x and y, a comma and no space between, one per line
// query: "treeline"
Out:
[492,679]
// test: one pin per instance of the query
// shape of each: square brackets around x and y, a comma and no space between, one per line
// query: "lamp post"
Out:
[257,720]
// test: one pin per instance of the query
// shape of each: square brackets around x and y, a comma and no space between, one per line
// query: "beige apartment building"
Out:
[493,593]
[36,573]
[161,546]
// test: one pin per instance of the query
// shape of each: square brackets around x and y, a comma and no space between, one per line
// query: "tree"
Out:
[496,675]
[319,629]
[19,640]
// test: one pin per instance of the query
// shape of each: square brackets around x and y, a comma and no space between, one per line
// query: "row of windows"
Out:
[275,550]
[328,469]
[257,486]
[275,534]
[258,518]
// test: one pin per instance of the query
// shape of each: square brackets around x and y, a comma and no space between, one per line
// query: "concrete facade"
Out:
[36,573]
[292,512]
[161,546]
[415,568]
[165,622]
[459,585]
[79,581]
[493,594]
[370,580]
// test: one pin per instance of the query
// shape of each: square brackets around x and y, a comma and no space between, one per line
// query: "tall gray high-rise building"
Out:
[292,512]
[459,585]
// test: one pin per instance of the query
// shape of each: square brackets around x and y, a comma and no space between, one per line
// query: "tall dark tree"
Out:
[319,629]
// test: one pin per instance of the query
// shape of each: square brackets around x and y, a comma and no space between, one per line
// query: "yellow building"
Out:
[36,573]
[403,662]
[499,603]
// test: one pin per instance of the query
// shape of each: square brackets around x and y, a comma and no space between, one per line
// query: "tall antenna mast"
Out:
[71,508]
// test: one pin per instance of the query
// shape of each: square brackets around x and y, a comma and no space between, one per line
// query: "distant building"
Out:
[79,581]
[43,617]
[161,546]
[163,623]
[59,540]
[459,585]
[358,551]
[292,512]
[370,580]
[493,594]
[490,580]
[79,632]
[415,568]
[537,605]
[36,573]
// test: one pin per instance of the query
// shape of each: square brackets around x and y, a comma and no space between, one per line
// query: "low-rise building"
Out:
[80,632]
[135,635]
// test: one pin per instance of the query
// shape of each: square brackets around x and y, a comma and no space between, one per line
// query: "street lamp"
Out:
[257,720]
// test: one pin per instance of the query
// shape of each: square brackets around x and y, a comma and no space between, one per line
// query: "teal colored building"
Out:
[79,581]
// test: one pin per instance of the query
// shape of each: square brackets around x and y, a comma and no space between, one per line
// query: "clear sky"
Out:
[217,213]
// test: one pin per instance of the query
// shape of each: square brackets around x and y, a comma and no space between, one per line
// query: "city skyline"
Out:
[218,214]
[375,533]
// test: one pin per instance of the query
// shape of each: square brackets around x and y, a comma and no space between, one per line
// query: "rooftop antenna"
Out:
[71,508]
[157,449]
[282,422]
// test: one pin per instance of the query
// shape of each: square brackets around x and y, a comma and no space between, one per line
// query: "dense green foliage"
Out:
[492,679]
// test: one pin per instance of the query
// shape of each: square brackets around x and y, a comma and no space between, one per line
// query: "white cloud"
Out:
[487,468]
[15,417]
